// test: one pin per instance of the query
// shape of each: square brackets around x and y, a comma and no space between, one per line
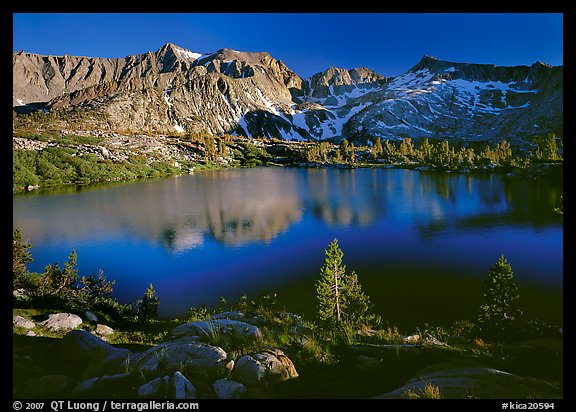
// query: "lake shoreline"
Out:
[166,156]
[546,169]
[241,228]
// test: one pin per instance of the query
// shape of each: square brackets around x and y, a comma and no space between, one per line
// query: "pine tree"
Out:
[344,149]
[500,309]
[329,285]
[357,303]
[20,258]
[390,149]
[341,300]
[406,148]
[148,306]
[547,147]
[425,152]
[352,153]
[377,149]
[57,281]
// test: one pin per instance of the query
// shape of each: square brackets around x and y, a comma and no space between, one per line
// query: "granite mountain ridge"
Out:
[175,90]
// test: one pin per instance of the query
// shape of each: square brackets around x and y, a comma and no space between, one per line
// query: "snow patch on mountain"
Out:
[187,54]
[410,80]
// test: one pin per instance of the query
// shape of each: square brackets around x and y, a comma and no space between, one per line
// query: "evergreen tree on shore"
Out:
[497,315]
[341,300]
[147,307]
[20,258]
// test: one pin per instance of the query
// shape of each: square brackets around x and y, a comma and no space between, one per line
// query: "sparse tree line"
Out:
[343,307]
[439,154]
[62,164]
[62,286]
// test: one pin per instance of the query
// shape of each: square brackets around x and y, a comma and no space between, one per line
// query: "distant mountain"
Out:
[253,94]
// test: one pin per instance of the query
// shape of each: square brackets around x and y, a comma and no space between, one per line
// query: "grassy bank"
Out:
[51,157]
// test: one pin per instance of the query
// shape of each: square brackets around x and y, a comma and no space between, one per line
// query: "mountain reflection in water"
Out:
[236,207]
[230,232]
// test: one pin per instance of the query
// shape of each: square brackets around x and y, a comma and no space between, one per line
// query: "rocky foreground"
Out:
[228,356]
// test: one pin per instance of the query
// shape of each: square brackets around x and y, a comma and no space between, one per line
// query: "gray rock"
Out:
[107,386]
[80,346]
[62,321]
[31,333]
[270,365]
[184,355]
[478,381]
[156,388]
[249,371]
[175,387]
[431,340]
[229,389]
[302,330]
[104,330]
[368,362]
[108,362]
[84,387]
[411,339]
[182,387]
[91,316]
[100,357]
[215,329]
[21,292]
[21,322]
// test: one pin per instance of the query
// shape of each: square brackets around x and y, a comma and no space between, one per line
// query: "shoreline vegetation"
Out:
[346,351]
[47,155]
[72,339]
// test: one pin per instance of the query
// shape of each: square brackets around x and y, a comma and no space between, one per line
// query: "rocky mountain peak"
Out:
[169,56]
[431,64]
[365,75]
[240,65]
[251,93]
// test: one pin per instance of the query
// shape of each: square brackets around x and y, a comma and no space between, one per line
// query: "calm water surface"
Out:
[421,242]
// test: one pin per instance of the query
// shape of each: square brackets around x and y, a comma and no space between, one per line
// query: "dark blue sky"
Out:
[388,43]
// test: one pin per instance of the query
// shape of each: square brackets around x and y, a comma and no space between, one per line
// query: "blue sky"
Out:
[388,43]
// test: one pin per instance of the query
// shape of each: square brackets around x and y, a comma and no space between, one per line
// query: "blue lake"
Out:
[420,242]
